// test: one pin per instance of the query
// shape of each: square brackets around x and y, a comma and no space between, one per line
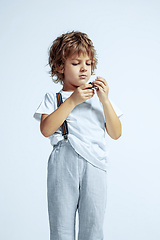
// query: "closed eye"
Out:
[75,64]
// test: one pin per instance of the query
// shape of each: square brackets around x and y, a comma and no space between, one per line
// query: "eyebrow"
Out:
[78,59]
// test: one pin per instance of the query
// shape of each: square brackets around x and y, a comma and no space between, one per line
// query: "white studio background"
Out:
[126,35]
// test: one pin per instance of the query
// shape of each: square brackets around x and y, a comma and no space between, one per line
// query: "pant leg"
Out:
[63,192]
[92,203]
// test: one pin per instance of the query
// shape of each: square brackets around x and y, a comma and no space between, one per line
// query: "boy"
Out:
[77,167]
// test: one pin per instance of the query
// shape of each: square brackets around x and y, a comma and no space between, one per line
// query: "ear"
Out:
[59,68]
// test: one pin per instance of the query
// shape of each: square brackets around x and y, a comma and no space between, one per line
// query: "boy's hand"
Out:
[82,94]
[103,89]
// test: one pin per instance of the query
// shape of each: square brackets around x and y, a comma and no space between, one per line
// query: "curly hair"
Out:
[66,45]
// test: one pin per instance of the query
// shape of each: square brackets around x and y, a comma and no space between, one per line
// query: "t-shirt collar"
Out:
[65,93]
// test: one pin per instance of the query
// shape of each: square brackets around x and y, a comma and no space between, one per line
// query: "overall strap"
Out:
[64,125]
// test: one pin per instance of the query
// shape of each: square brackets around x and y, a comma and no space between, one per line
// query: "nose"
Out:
[83,68]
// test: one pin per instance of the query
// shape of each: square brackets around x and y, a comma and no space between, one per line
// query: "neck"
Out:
[69,88]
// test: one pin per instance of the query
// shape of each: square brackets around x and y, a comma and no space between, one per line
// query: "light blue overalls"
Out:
[74,184]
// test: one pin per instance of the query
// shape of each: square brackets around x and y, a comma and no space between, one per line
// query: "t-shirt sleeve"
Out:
[116,109]
[47,106]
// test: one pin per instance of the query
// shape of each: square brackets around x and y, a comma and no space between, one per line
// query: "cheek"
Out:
[75,71]
[70,72]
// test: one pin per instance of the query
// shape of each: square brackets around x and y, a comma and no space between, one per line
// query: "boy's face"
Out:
[77,71]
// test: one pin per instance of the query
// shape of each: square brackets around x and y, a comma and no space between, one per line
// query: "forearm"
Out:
[113,124]
[53,121]
[50,123]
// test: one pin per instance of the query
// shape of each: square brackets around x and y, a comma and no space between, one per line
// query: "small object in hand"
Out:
[93,86]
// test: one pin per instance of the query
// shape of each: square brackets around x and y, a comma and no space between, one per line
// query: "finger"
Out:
[85,86]
[89,95]
[100,79]
[88,91]
[99,84]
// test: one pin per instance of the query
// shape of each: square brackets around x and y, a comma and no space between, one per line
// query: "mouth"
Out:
[83,76]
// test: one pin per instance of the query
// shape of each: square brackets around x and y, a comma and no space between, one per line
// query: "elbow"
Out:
[45,135]
[116,137]
[118,134]
[44,132]
[115,132]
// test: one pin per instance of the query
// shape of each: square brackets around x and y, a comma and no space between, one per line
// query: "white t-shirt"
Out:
[86,126]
